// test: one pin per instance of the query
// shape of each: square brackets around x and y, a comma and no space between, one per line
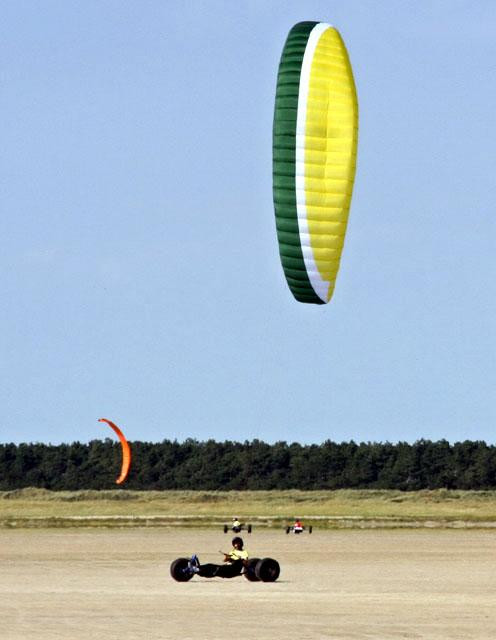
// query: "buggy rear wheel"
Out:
[249,572]
[267,570]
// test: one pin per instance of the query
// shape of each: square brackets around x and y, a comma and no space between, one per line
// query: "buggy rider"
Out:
[298,527]
[234,561]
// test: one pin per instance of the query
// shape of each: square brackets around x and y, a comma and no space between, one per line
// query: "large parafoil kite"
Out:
[126,450]
[314,157]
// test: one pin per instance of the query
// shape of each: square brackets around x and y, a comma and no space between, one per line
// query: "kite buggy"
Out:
[236,526]
[298,527]
[236,563]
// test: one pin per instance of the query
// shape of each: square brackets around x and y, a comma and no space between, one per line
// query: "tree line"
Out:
[211,465]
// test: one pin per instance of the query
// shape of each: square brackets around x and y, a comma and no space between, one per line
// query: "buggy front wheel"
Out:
[179,570]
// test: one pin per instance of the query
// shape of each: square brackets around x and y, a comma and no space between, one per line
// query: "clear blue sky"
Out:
[140,272]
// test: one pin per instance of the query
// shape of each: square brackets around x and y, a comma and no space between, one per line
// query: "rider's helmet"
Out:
[237,540]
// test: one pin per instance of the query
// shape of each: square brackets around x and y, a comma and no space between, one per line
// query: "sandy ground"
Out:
[115,584]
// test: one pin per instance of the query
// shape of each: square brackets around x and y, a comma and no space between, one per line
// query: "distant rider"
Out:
[297,527]
[236,525]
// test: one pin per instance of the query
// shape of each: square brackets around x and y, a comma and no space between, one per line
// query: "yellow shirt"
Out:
[237,554]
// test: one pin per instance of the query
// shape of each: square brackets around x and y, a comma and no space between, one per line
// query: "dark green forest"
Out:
[251,465]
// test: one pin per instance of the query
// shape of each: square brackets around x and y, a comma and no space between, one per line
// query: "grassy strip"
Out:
[258,523]
[348,508]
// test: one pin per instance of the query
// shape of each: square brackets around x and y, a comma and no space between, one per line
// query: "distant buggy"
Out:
[236,527]
[298,528]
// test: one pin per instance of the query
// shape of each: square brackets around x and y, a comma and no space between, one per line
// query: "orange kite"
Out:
[126,450]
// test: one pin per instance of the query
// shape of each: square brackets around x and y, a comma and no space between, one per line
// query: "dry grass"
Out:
[70,508]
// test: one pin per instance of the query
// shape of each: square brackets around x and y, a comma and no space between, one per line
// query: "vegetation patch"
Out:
[251,466]
[342,508]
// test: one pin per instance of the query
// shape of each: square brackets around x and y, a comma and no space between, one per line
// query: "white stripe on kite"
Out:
[320,286]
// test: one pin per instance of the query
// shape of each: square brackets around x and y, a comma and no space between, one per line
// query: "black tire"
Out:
[310,529]
[226,528]
[248,528]
[267,570]
[288,529]
[177,570]
[249,571]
